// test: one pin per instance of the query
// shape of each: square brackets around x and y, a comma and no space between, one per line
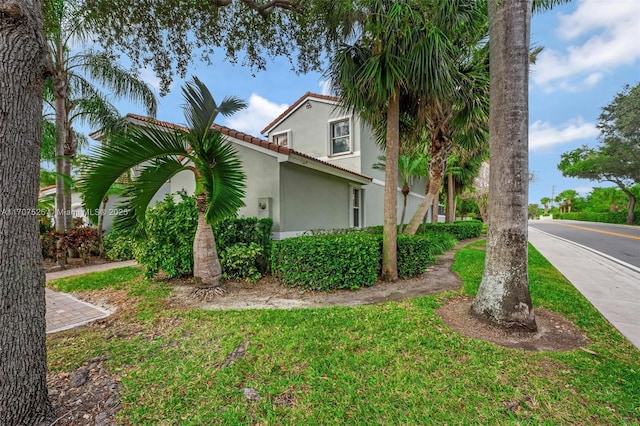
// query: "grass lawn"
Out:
[395,363]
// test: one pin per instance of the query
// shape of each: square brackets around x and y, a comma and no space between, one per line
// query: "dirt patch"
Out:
[555,333]
[85,396]
[268,293]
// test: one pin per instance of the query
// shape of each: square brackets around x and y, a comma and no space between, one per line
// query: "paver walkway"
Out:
[65,311]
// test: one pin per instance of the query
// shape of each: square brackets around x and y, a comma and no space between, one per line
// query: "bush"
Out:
[119,245]
[240,261]
[326,262]
[417,252]
[462,230]
[246,230]
[84,240]
[171,229]
[607,217]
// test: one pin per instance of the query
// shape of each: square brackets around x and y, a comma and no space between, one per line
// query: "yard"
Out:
[389,363]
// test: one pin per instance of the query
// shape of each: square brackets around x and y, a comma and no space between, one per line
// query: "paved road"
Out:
[612,287]
[621,242]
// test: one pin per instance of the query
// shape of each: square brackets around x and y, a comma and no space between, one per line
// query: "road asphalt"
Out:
[613,288]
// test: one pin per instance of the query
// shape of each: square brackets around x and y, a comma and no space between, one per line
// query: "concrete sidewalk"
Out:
[65,311]
[611,287]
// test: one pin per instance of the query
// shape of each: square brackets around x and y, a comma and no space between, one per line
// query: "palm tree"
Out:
[72,95]
[412,165]
[545,202]
[396,49]
[458,116]
[160,154]
[503,298]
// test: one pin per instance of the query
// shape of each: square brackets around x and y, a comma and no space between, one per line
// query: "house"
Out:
[313,171]
[316,125]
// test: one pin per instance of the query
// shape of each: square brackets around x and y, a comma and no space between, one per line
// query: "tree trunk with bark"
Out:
[69,154]
[632,204]
[390,224]
[23,67]
[206,264]
[503,298]
[440,151]
[60,216]
[451,199]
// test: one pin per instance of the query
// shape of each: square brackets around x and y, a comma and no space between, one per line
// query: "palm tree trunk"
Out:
[404,206]
[101,214]
[206,264]
[390,225]
[451,198]
[60,90]
[69,153]
[437,165]
[24,398]
[503,298]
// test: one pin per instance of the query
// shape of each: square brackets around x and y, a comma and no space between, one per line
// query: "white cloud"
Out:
[604,35]
[583,190]
[148,76]
[542,135]
[258,114]
[325,86]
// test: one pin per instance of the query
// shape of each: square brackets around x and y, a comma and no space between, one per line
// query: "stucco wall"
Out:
[312,200]
[310,132]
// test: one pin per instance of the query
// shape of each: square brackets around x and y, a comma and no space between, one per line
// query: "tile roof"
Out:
[250,139]
[296,104]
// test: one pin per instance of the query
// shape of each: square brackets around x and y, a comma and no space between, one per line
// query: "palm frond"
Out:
[137,146]
[138,194]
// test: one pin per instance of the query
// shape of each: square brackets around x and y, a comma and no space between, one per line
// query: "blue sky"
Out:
[592,49]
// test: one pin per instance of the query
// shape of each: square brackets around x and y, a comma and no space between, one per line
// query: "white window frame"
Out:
[349,121]
[284,132]
[353,207]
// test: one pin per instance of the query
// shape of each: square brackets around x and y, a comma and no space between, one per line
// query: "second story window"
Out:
[340,133]
[282,139]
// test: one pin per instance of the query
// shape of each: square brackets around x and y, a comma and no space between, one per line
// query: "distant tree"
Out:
[534,211]
[617,157]
[565,198]
[545,202]
[162,153]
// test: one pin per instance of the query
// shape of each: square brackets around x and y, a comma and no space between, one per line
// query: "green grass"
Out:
[395,363]
[114,278]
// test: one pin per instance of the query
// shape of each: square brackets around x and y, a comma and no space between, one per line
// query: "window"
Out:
[282,139]
[356,207]
[340,133]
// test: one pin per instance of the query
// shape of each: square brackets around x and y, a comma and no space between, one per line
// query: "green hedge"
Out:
[326,262]
[351,260]
[462,230]
[608,217]
[118,245]
[171,229]
[417,252]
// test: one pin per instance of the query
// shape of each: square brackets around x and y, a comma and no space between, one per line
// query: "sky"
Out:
[591,50]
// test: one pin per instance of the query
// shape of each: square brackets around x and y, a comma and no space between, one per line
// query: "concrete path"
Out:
[614,289]
[65,311]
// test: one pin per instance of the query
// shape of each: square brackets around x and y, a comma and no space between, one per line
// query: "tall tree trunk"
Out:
[405,193]
[503,298]
[440,152]
[390,224]
[435,207]
[60,94]
[69,154]
[23,66]
[101,214]
[206,264]
[632,204]
[451,198]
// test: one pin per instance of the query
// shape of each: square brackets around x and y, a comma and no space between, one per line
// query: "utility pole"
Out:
[553,190]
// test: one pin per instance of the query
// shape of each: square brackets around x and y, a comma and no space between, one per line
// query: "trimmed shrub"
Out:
[462,230]
[83,240]
[119,245]
[607,217]
[417,252]
[327,262]
[171,229]
[240,261]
